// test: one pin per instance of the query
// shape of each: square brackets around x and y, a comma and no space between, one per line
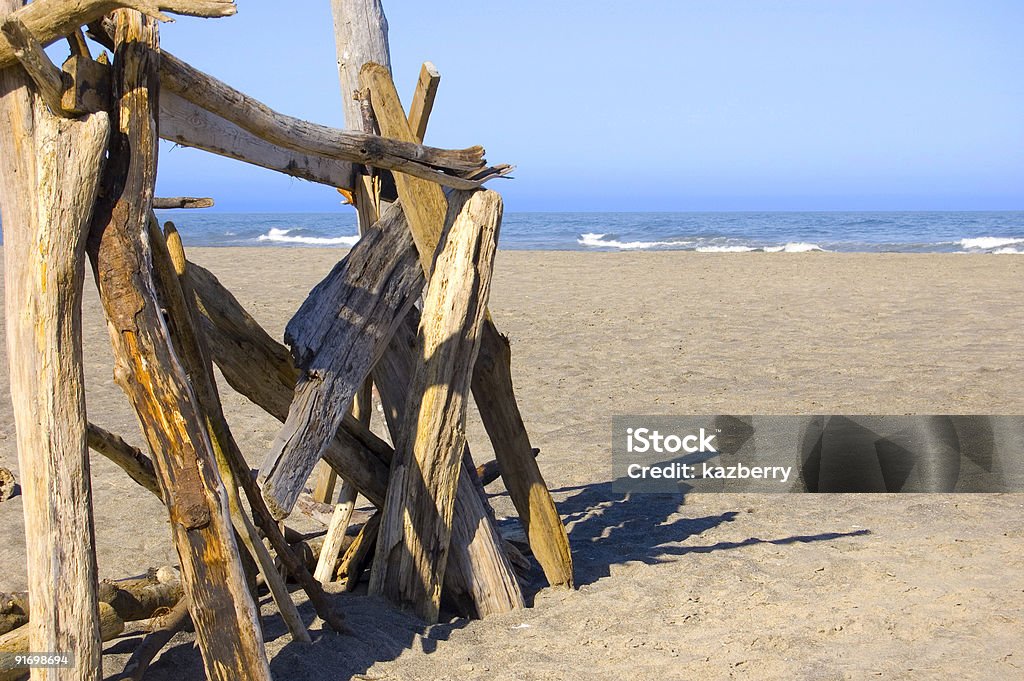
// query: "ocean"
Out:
[873,232]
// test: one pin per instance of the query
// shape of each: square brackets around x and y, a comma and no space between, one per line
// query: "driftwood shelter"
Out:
[405,311]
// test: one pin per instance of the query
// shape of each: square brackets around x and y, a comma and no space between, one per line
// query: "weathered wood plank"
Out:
[415,533]
[47,77]
[170,202]
[184,123]
[492,378]
[427,163]
[108,626]
[260,368]
[51,20]
[336,337]
[148,368]
[48,170]
[423,100]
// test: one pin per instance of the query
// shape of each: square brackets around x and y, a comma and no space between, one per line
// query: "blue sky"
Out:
[725,105]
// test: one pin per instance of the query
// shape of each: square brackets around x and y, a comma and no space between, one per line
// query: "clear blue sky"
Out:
[660,105]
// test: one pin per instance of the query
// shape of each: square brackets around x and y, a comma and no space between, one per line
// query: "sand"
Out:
[710,586]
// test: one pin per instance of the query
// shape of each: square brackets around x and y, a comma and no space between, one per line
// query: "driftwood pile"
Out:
[405,311]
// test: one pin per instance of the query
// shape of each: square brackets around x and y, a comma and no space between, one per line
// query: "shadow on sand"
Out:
[605,528]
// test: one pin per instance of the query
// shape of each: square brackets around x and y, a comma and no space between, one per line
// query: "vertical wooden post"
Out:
[49,170]
[148,368]
[415,532]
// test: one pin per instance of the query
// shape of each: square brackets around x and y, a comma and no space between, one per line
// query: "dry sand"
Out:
[710,586]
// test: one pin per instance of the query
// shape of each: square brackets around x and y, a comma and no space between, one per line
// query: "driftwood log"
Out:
[492,377]
[182,202]
[148,368]
[51,20]
[415,533]
[49,169]
[357,307]
[108,626]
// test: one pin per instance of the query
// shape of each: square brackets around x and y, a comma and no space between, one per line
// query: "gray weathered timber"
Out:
[49,169]
[428,163]
[186,124]
[415,533]
[336,337]
[150,371]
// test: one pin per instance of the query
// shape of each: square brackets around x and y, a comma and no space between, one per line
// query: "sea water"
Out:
[901,232]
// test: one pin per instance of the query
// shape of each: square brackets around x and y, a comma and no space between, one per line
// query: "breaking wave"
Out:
[283,236]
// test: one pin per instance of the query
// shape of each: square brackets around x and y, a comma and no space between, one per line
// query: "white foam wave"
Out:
[599,241]
[725,249]
[1007,251]
[283,236]
[989,242]
[795,247]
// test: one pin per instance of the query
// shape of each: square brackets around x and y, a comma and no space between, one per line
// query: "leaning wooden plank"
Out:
[48,170]
[336,337]
[149,370]
[415,532]
[170,267]
[182,202]
[492,378]
[47,77]
[293,133]
[168,262]
[260,368]
[184,123]
[423,100]
[51,20]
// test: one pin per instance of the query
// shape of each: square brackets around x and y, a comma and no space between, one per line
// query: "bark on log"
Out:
[48,170]
[148,368]
[336,337]
[492,377]
[51,20]
[415,533]
[182,202]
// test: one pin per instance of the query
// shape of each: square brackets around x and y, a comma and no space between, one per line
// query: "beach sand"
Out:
[710,586]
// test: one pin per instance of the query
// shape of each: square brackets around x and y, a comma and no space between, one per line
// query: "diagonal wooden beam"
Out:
[492,378]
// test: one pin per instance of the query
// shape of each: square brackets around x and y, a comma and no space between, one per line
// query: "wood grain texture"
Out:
[492,378]
[48,169]
[260,368]
[149,369]
[423,100]
[184,123]
[50,20]
[311,138]
[416,529]
[336,337]
[47,77]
